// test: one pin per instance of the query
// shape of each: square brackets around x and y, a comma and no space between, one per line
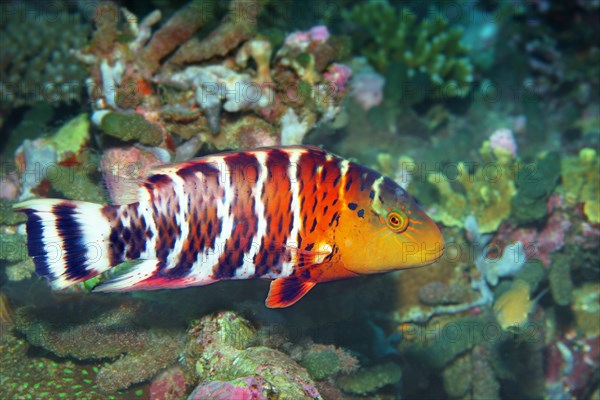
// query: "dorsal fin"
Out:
[286,291]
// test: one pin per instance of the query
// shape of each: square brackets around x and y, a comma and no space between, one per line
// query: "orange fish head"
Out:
[388,231]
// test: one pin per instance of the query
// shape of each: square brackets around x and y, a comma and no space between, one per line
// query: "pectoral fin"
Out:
[286,291]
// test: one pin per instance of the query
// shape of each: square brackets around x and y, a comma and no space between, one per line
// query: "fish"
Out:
[513,307]
[294,215]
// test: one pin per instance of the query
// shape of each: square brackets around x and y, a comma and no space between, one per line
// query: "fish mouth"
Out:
[430,243]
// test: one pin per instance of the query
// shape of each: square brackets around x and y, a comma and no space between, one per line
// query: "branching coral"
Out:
[170,81]
[429,47]
[488,197]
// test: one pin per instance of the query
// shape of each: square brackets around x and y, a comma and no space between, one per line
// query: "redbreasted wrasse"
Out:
[295,215]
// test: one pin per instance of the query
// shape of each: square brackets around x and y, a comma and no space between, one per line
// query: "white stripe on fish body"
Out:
[344,165]
[248,268]
[292,240]
[145,211]
[202,269]
[181,220]
[96,231]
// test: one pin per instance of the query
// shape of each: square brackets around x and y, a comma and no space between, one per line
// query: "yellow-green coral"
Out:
[429,46]
[72,136]
[580,182]
[487,195]
[586,307]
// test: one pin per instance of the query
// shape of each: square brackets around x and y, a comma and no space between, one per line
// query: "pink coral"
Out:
[552,237]
[168,385]
[367,89]
[504,140]
[542,244]
[338,74]
[318,34]
[249,388]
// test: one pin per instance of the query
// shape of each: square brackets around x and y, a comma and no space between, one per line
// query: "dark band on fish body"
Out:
[35,243]
[71,234]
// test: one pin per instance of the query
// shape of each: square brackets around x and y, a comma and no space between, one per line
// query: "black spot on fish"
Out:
[361,213]
[348,184]
[372,194]
[352,206]
[333,218]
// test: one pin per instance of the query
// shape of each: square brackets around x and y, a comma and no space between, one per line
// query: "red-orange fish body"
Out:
[297,215]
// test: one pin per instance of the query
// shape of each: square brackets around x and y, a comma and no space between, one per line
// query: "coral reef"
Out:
[580,182]
[218,351]
[586,307]
[37,63]
[427,48]
[487,194]
[161,87]
[327,361]
[561,284]
[370,379]
[251,387]
[136,353]
[59,161]
[535,183]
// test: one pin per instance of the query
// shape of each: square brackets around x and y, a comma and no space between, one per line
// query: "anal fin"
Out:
[135,273]
[286,291]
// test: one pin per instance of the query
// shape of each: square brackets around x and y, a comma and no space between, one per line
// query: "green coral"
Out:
[368,380]
[561,284]
[428,48]
[128,127]
[71,183]
[72,136]
[535,183]
[321,363]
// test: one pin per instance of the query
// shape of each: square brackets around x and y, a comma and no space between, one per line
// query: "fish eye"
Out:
[397,221]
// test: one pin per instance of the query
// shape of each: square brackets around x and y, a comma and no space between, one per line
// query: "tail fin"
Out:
[68,240]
